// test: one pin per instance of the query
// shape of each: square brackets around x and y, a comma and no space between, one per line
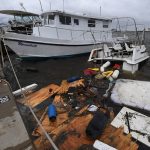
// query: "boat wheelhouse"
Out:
[61,34]
[75,27]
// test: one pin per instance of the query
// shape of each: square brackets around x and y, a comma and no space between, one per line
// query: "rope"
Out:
[24,96]
[1,53]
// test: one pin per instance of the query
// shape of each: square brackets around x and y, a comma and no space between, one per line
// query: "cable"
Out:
[34,115]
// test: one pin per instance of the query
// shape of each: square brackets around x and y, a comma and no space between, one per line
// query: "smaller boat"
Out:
[128,53]
[131,54]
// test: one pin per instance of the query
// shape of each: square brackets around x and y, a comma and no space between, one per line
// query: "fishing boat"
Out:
[61,34]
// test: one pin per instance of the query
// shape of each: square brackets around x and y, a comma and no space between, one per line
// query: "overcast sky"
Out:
[139,9]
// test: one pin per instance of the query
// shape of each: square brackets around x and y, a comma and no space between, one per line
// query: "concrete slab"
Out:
[13,134]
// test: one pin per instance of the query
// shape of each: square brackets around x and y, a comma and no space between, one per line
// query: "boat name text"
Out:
[27,44]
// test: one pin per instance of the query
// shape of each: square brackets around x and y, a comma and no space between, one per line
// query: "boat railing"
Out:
[83,33]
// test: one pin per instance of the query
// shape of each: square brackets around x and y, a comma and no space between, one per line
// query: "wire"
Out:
[34,115]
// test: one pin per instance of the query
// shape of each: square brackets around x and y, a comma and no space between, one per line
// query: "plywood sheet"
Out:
[137,121]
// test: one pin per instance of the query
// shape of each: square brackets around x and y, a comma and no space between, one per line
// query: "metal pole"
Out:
[100,9]
[50,5]
[63,5]
[41,5]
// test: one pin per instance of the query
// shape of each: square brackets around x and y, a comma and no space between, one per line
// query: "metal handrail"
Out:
[77,30]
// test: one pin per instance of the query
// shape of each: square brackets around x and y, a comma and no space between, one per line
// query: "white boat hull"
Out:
[27,46]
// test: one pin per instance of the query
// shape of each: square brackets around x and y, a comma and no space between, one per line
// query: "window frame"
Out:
[76,21]
[91,23]
[105,24]
[66,21]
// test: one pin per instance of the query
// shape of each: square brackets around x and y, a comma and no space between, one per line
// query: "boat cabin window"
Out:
[18,19]
[105,24]
[65,20]
[76,21]
[27,19]
[91,23]
[51,19]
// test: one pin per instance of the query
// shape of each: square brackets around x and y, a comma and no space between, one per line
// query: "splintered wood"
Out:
[64,87]
[38,97]
[117,139]
[68,132]
[49,126]
[71,133]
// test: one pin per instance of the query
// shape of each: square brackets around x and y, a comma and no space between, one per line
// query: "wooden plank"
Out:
[39,96]
[117,139]
[48,125]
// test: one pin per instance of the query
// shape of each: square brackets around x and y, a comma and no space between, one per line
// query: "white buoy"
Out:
[102,69]
[106,64]
[115,74]
[25,89]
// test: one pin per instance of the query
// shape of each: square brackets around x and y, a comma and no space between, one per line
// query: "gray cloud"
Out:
[133,8]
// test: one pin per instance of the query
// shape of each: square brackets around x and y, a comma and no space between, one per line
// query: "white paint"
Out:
[137,122]
[132,93]
[102,146]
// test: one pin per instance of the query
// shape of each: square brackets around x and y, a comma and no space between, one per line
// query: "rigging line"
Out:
[1,51]
[34,115]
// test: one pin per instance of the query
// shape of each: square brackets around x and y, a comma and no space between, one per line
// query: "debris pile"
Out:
[75,115]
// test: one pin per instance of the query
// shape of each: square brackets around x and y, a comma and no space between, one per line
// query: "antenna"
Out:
[63,5]
[41,5]
[100,10]
[50,4]
[21,4]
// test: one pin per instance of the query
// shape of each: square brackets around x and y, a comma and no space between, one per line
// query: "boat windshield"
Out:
[18,19]
[36,18]
[27,19]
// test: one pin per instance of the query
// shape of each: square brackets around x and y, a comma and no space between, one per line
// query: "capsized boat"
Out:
[129,52]
[62,34]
